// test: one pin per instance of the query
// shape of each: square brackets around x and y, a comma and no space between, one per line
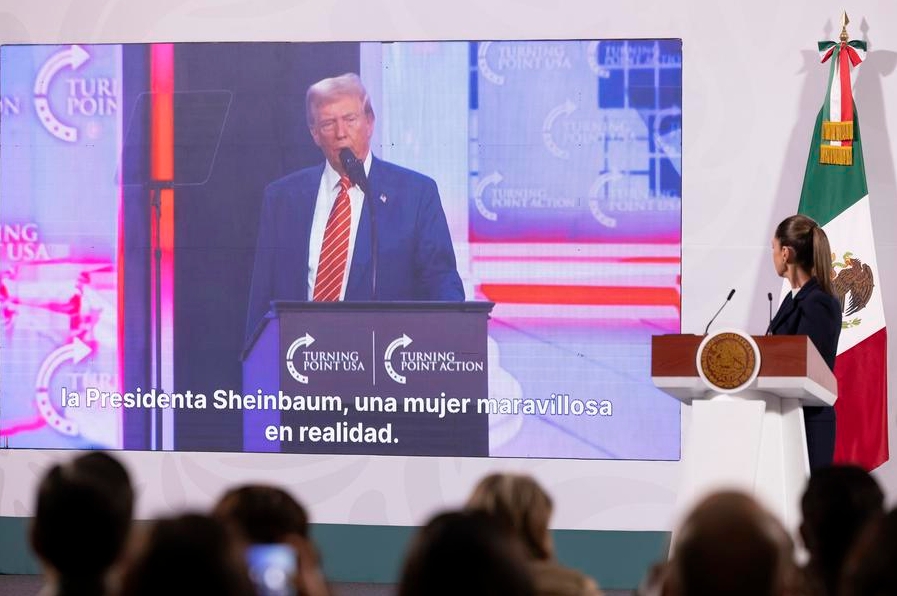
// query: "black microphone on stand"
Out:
[729,297]
[355,170]
[769,296]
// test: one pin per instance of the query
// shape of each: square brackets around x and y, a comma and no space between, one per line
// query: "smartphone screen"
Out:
[272,568]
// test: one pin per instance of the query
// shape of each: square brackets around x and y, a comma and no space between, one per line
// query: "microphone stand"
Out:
[725,302]
[354,168]
[155,189]
[373,220]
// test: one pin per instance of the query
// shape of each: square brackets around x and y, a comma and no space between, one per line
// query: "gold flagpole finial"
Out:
[844,21]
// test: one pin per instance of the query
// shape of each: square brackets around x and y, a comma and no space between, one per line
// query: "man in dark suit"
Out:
[314,238]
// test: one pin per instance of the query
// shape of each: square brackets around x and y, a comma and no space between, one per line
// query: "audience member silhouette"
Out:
[81,524]
[838,502]
[261,514]
[871,566]
[184,556]
[730,546]
[523,510]
[464,553]
[499,545]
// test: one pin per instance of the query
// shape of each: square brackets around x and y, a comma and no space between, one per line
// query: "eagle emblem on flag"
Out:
[853,283]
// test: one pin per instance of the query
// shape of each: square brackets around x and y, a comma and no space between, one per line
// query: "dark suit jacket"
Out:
[811,312]
[415,258]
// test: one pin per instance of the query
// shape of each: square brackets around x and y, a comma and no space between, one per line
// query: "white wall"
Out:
[752,87]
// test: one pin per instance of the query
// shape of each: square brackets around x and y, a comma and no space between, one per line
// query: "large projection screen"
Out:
[559,171]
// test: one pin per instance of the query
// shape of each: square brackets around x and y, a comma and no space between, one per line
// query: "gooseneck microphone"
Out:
[355,170]
[729,297]
[769,327]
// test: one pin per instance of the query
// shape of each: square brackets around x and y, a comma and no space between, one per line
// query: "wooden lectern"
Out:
[751,438]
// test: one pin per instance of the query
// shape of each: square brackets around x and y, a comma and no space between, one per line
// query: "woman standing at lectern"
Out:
[801,254]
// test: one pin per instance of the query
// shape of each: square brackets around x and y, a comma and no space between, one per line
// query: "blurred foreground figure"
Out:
[464,553]
[837,505]
[523,510]
[272,529]
[184,556]
[871,567]
[730,546]
[81,523]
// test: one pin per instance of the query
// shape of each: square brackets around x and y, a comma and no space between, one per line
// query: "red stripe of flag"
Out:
[862,406]
[846,93]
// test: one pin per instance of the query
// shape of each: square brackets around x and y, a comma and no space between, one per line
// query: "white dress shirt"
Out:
[327,193]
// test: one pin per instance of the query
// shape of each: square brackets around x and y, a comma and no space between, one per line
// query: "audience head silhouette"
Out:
[838,502]
[262,514]
[82,520]
[464,553]
[730,546]
[187,555]
[522,510]
[520,506]
[871,567]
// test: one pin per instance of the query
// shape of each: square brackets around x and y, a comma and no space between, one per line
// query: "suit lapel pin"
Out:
[383,199]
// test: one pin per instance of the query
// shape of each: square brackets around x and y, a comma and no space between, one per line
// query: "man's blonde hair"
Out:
[327,90]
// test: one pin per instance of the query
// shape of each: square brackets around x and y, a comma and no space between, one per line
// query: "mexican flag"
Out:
[835,195]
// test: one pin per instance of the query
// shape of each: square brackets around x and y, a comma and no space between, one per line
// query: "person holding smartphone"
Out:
[273,529]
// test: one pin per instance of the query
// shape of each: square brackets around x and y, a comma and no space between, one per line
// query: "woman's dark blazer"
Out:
[811,312]
[815,313]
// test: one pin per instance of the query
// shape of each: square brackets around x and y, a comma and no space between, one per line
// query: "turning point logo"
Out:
[304,341]
[73,57]
[91,97]
[424,361]
[320,361]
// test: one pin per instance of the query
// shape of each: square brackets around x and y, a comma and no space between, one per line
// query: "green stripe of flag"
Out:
[828,190]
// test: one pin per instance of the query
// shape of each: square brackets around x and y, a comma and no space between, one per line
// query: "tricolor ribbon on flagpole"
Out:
[838,111]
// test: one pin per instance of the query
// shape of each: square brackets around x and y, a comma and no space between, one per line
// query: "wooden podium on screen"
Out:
[393,350]
[747,425]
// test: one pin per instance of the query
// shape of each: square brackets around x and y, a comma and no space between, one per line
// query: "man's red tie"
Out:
[335,249]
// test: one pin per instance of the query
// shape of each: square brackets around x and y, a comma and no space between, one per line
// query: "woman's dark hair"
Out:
[464,553]
[83,516]
[871,566]
[837,504]
[262,514]
[729,544]
[811,248]
[187,555]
